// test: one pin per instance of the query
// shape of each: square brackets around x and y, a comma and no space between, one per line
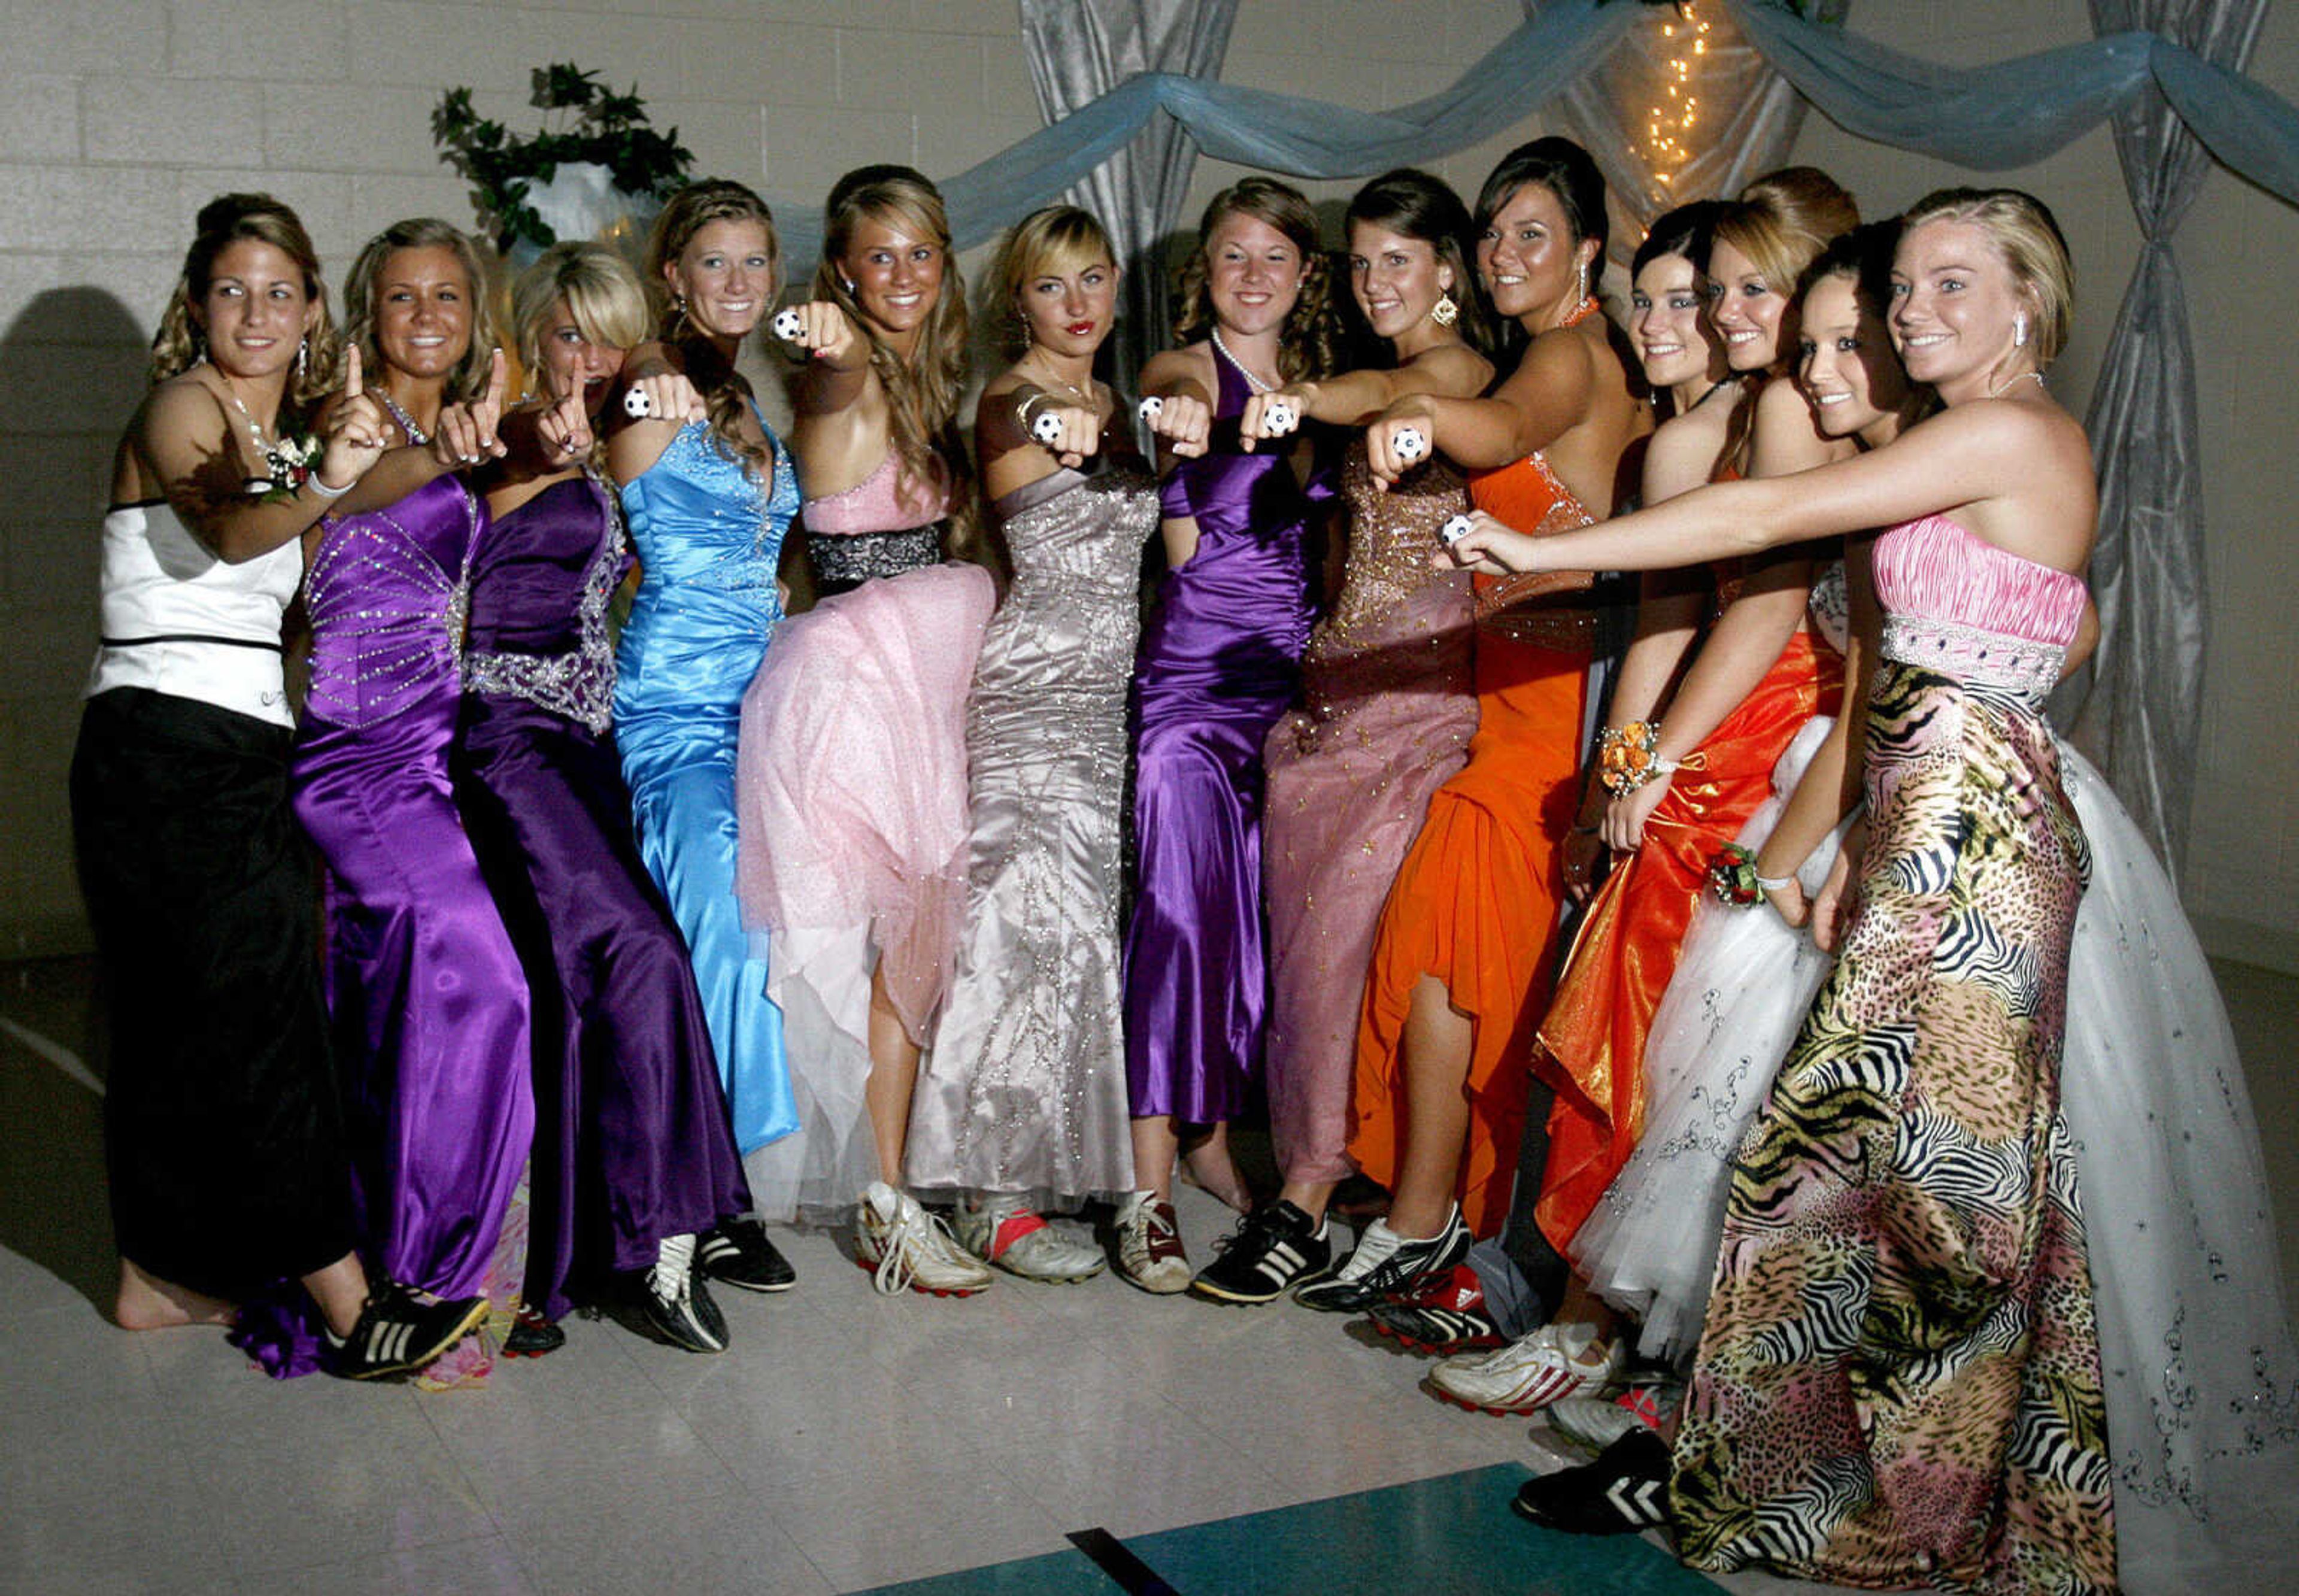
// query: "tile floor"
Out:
[845,1441]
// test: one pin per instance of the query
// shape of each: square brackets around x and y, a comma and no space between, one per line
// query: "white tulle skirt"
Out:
[1722,1029]
[2202,1375]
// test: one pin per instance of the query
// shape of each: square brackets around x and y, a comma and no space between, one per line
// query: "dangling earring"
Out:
[1584,279]
[847,283]
[303,357]
[2020,330]
[1445,313]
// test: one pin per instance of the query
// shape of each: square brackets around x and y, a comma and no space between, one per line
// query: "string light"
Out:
[1668,143]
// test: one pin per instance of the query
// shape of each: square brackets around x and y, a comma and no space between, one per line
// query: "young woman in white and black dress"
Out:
[222,1133]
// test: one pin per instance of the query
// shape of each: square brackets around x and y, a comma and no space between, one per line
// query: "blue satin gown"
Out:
[709,536]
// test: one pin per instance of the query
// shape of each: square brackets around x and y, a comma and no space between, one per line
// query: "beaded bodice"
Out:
[1389,576]
[388,596]
[540,586]
[1957,604]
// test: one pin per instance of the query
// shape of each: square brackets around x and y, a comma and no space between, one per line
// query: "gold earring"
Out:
[1445,313]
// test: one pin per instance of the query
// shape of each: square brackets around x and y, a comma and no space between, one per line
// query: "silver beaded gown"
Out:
[1024,1089]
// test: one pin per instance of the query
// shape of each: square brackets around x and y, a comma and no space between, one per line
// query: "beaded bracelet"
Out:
[1626,756]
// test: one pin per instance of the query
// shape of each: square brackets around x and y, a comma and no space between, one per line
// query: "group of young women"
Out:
[977,880]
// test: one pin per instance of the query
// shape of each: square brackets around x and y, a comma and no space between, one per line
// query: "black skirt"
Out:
[223,1134]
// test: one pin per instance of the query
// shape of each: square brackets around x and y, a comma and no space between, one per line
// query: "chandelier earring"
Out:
[303,357]
[1445,312]
[2020,330]
[1584,279]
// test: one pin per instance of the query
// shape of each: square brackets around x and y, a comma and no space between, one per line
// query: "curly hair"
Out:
[469,377]
[922,393]
[725,392]
[1310,341]
[229,219]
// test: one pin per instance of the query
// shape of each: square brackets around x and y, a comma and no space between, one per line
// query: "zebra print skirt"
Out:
[1898,1380]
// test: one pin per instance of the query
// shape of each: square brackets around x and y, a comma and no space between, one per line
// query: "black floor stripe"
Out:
[1109,1554]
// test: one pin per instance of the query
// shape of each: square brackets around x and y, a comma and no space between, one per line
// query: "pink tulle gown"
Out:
[851,790]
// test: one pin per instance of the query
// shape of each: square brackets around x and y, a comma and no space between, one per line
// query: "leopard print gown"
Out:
[1899,1381]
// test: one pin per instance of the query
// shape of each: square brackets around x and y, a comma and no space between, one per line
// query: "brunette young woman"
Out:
[1021,1103]
[1899,1378]
[853,774]
[708,492]
[1682,783]
[1458,974]
[1219,662]
[223,1138]
[1386,714]
[633,1152]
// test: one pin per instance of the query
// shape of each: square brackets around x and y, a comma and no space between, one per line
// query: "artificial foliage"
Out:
[586,122]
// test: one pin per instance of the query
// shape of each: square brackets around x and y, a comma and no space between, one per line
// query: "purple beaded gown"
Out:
[430,1007]
[632,1143]
[1219,662]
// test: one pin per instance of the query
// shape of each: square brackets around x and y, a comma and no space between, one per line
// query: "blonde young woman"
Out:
[633,1153]
[430,1004]
[1021,1104]
[852,773]
[708,492]
[228,1169]
[1387,715]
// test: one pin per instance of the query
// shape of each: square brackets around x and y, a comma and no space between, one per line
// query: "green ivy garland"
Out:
[590,123]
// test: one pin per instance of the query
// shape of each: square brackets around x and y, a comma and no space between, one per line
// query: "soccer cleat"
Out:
[1150,1245]
[903,1245]
[1597,1422]
[1273,1248]
[1385,1262]
[1553,1362]
[677,1303]
[1445,1316]
[1006,1232]
[737,1252]
[399,1332]
[532,1335]
[1624,1490]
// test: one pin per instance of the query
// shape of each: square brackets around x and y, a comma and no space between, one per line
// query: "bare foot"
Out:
[1208,1168]
[148,1303]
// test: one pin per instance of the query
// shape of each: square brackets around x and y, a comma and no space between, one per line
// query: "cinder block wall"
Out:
[119,118]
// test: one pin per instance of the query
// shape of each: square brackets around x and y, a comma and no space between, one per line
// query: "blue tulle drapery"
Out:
[1988,118]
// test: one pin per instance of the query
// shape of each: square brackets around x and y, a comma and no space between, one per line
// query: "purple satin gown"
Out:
[633,1141]
[430,1008]
[1219,662]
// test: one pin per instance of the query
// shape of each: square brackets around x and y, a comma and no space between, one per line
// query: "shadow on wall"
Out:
[55,1213]
[71,369]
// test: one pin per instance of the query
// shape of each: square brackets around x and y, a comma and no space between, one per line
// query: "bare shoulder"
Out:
[1169,368]
[1686,447]
[1453,369]
[182,406]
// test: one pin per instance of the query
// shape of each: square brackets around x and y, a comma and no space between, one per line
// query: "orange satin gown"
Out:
[1475,904]
[1591,1047]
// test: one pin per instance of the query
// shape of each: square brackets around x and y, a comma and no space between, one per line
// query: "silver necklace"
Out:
[1997,390]
[415,435]
[1251,382]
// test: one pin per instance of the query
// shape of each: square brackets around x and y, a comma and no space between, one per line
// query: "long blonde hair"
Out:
[923,394]
[470,376]
[223,221]
[725,392]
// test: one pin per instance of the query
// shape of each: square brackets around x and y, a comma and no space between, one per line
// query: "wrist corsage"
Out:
[1627,757]
[1733,877]
[288,462]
